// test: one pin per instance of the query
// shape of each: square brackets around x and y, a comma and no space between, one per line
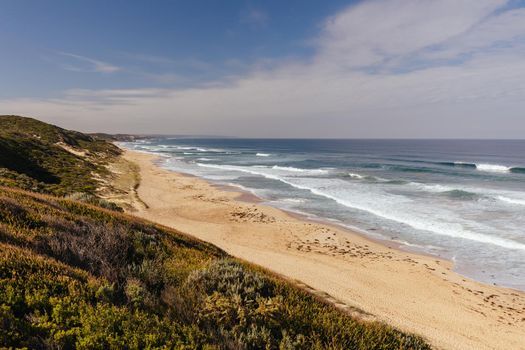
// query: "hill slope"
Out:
[78,276]
[45,158]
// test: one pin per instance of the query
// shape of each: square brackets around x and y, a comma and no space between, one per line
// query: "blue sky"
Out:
[373,68]
[161,43]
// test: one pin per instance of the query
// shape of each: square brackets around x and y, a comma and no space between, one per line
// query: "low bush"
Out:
[250,310]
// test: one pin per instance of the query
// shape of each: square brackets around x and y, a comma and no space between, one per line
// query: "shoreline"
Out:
[249,197]
[245,195]
[409,290]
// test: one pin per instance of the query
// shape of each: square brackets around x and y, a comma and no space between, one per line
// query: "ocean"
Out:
[462,200]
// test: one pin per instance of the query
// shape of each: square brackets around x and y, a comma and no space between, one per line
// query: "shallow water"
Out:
[460,199]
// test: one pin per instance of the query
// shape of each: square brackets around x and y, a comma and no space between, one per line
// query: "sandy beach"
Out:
[415,293]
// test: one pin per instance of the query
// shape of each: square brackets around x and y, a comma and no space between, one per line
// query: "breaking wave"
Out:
[495,168]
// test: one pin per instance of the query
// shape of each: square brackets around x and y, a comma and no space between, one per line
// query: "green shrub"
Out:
[248,310]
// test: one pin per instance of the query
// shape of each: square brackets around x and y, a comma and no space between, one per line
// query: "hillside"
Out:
[75,275]
[45,158]
[78,276]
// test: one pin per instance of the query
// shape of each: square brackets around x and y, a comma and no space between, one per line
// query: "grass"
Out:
[73,275]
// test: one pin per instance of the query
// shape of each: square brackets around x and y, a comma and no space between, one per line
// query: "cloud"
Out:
[494,33]
[85,64]
[397,68]
[376,32]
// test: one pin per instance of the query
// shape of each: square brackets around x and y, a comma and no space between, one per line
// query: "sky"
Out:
[295,68]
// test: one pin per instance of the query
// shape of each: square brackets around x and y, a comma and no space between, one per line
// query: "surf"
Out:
[486,167]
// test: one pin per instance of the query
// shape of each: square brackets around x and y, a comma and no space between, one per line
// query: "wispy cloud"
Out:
[375,33]
[80,63]
[396,68]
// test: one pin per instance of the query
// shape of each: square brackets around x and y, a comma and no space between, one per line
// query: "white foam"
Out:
[153,148]
[243,188]
[496,168]
[288,168]
[493,168]
[395,208]
[266,171]
[435,188]
[356,176]
[263,154]
[247,170]
[293,200]
[512,200]
[198,149]
[299,170]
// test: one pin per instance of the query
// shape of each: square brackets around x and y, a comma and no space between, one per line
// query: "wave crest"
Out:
[356,176]
[299,170]
[495,168]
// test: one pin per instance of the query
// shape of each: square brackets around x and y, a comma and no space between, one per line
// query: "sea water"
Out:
[462,200]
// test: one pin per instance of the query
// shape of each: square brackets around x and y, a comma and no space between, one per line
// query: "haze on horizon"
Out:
[347,69]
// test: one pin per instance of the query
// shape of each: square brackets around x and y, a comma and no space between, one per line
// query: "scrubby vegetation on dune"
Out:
[41,157]
[74,275]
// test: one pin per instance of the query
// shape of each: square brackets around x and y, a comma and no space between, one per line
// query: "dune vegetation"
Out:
[74,274]
[45,158]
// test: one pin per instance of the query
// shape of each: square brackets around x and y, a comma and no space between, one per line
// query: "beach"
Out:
[412,292]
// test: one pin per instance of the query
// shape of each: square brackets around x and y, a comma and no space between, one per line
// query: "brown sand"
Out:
[412,292]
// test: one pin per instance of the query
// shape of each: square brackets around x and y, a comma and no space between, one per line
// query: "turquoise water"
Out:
[459,199]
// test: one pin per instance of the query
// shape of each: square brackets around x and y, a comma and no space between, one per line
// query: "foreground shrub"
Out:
[47,305]
[248,310]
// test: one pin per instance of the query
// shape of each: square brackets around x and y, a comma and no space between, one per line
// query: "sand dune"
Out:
[413,292]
